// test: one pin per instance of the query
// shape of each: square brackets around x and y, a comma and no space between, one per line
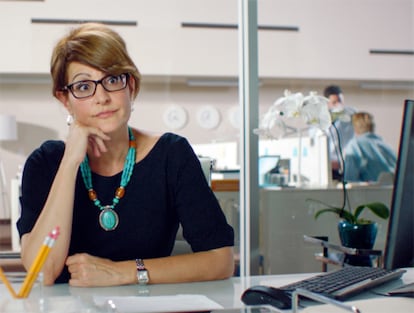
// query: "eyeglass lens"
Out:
[87,88]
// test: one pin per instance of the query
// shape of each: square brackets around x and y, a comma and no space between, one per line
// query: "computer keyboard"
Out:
[345,282]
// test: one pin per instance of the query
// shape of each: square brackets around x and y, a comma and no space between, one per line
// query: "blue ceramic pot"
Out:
[357,236]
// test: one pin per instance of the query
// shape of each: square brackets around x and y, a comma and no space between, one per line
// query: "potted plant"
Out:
[355,231]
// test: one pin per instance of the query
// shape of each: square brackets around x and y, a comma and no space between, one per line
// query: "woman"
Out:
[367,155]
[117,193]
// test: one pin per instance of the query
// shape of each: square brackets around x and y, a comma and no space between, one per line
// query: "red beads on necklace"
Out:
[120,192]
[92,194]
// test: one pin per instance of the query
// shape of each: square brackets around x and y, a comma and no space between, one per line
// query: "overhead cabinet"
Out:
[322,39]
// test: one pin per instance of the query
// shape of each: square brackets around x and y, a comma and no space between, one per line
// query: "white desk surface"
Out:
[63,298]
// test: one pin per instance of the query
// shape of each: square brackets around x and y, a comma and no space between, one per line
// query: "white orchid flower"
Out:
[294,111]
[315,111]
[289,105]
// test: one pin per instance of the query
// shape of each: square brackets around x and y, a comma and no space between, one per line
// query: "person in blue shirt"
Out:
[367,155]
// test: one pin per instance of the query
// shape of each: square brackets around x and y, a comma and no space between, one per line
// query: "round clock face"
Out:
[208,117]
[175,117]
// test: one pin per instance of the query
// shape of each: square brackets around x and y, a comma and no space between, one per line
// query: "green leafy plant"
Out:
[353,217]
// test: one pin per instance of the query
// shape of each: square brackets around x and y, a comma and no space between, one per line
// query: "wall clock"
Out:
[208,117]
[175,117]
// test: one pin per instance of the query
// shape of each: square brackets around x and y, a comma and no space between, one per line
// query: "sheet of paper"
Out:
[176,303]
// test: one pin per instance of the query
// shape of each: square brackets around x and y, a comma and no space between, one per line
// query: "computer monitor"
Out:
[311,164]
[399,249]
[267,164]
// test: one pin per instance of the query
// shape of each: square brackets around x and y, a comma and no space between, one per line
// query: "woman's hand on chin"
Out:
[85,138]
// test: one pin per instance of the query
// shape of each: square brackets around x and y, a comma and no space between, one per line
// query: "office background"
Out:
[187,52]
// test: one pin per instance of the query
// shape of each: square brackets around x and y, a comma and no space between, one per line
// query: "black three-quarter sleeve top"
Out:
[166,188]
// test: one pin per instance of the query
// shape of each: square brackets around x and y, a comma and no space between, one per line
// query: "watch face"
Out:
[143,277]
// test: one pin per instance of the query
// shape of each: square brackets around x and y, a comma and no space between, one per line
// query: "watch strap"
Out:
[140,265]
[142,272]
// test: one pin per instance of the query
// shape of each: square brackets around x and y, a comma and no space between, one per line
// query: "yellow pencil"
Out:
[38,263]
[7,283]
[34,271]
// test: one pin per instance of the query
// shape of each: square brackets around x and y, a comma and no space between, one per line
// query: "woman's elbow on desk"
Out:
[48,270]
[29,256]
[226,258]
[215,264]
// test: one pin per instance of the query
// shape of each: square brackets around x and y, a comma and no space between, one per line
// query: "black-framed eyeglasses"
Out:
[87,88]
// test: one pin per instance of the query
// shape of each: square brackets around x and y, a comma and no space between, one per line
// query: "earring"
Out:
[132,106]
[69,119]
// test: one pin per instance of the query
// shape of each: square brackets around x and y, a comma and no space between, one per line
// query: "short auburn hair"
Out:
[95,45]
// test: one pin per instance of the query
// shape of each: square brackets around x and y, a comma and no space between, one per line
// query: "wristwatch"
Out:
[142,273]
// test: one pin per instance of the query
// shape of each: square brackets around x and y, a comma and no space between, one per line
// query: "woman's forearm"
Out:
[91,271]
[57,211]
[201,266]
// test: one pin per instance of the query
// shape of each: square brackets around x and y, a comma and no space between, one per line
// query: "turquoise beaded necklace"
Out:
[108,218]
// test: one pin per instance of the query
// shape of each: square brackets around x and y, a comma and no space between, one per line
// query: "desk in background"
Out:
[285,217]
[62,298]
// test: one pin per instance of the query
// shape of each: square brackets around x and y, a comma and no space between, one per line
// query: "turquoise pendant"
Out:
[108,219]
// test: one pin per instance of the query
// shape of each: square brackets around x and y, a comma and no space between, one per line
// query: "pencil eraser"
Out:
[55,232]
